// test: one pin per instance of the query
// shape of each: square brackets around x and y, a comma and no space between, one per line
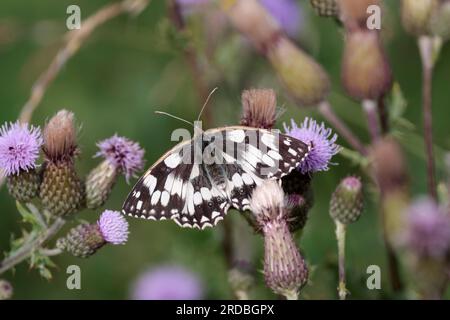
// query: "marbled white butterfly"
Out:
[197,181]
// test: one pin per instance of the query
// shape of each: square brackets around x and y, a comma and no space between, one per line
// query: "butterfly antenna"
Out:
[175,117]
[206,102]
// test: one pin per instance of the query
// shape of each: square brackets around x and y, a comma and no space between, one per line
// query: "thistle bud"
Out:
[416,15]
[440,21]
[19,150]
[6,290]
[366,73]
[326,8]
[285,269]
[389,165]
[390,172]
[259,108]
[354,12]
[85,239]
[99,184]
[303,77]
[24,186]
[347,203]
[61,192]
[252,19]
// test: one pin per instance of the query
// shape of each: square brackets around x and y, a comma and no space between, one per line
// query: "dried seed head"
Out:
[416,15]
[347,203]
[303,77]
[326,8]
[259,108]
[60,137]
[366,73]
[389,165]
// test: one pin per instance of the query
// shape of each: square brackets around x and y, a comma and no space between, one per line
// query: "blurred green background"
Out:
[132,66]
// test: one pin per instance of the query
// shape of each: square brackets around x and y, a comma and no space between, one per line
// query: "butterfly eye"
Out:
[210,204]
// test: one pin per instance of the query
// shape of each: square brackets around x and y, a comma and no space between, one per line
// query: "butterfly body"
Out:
[198,181]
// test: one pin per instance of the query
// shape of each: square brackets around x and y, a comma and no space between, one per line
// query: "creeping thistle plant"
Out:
[49,195]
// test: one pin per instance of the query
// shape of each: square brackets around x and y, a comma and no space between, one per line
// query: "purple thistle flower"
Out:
[322,140]
[113,227]
[167,283]
[122,153]
[287,13]
[428,232]
[19,147]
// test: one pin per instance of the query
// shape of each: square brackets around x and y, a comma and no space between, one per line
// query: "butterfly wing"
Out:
[174,188]
[265,155]
[185,191]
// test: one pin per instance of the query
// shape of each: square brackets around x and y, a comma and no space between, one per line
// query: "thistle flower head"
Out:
[285,270]
[113,227]
[428,231]
[19,147]
[60,137]
[259,108]
[347,201]
[124,154]
[287,13]
[167,283]
[322,140]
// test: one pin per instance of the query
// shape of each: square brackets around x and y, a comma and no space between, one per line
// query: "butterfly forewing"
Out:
[195,187]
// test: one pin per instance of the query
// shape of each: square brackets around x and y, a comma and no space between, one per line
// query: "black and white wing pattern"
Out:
[197,182]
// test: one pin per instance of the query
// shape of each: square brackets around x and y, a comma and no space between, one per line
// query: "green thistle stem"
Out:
[426,46]
[370,108]
[291,295]
[35,242]
[340,236]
